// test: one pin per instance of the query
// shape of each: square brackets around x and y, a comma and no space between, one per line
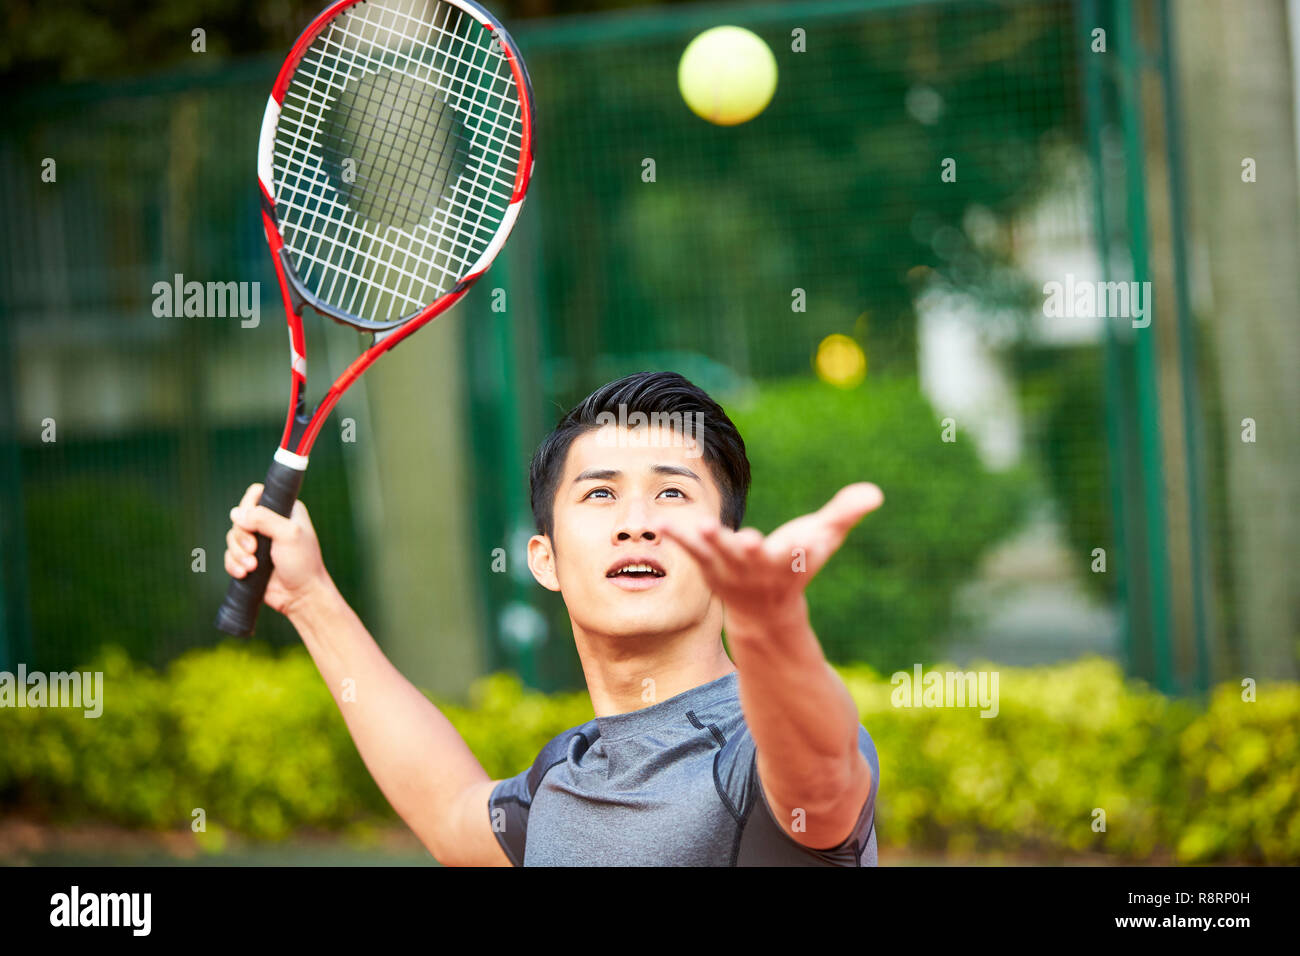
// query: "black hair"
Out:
[655,395]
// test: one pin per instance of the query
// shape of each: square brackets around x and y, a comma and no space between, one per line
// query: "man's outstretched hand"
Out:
[762,579]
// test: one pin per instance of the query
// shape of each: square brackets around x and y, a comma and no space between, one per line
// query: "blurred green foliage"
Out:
[1242,777]
[886,597]
[1066,741]
[834,190]
[1065,411]
[255,739]
[506,724]
[1198,784]
[79,527]
[93,38]
[112,524]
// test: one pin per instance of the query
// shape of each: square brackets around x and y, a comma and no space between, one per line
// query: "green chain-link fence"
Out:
[922,171]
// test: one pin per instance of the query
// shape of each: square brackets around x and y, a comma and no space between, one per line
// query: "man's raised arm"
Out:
[800,714]
[417,757]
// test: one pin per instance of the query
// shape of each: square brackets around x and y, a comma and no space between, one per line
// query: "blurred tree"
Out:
[836,189]
[1065,412]
[886,598]
[99,39]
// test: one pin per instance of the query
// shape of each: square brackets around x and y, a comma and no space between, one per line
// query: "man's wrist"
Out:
[786,618]
[314,601]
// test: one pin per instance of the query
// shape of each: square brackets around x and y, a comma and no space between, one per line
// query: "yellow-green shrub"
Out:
[256,740]
[1241,770]
[1067,740]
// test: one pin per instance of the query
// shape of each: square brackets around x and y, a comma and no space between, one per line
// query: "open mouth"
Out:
[636,569]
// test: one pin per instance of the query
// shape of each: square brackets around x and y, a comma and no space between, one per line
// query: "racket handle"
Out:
[238,612]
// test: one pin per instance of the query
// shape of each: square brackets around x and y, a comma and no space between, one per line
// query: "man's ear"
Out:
[541,561]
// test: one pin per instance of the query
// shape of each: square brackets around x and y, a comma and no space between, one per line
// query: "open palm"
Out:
[757,575]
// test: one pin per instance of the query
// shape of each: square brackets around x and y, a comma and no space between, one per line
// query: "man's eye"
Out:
[595,491]
[676,491]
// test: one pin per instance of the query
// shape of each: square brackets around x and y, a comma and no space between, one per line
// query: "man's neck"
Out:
[620,681]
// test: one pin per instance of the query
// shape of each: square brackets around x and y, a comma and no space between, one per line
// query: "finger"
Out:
[747,542]
[802,537]
[239,517]
[734,547]
[234,568]
[820,534]
[246,503]
[251,496]
[264,520]
[300,514]
[688,538]
[739,549]
[240,543]
[850,504]
[693,542]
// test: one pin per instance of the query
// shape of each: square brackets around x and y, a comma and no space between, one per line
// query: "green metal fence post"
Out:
[1116,459]
[1191,394]
[15,626]
[1148,399]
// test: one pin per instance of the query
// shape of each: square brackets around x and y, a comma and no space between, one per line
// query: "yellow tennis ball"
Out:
[727,75]
[840,361]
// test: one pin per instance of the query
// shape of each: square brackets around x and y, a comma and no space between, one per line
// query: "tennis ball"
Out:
[727,75]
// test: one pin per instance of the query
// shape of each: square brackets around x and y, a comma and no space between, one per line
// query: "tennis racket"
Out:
[396,150]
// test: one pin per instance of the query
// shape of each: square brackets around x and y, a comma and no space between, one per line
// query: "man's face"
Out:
[618,577]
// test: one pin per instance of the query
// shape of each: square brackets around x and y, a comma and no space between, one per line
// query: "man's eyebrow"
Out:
[676,470]
[597,474]
[608,474]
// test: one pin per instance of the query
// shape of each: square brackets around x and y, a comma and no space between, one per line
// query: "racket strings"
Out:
[424,101]
[408,204]
[516,156]
[368,250]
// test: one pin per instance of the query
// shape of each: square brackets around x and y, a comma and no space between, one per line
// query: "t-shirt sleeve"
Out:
[512,799]
[737,778]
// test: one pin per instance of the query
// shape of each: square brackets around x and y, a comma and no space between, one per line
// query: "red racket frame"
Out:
[238,613]
[386,340]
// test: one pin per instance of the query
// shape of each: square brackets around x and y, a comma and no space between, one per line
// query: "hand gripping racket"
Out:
[395,153]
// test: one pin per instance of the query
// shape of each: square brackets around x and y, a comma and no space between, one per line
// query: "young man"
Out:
[691,759]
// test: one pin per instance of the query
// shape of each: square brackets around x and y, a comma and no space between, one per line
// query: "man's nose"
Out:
[635,524]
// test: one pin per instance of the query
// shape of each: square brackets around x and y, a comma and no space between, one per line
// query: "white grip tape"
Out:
[289,459]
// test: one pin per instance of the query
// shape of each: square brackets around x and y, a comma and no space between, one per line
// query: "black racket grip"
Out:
[238,612]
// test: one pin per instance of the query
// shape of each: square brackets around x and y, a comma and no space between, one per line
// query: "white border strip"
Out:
[473,11]
[266,145]
[499,240]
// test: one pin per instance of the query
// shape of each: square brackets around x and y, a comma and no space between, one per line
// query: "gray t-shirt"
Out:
[673,784]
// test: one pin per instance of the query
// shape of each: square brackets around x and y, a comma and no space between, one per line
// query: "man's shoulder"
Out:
[524,785]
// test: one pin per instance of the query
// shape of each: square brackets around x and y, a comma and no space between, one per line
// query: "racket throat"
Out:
[295,427]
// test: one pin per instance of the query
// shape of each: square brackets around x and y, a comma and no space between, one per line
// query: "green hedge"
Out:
[1199,784]
[256,741]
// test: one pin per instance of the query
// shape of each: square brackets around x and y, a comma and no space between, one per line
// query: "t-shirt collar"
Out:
[621,726]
